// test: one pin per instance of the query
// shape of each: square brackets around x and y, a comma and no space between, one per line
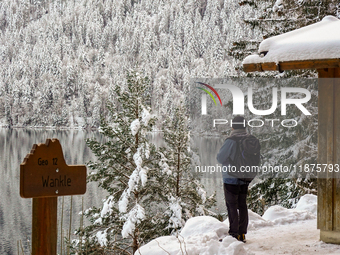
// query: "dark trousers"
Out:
[235,197]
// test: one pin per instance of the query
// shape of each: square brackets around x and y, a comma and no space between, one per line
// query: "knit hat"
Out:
[238,122]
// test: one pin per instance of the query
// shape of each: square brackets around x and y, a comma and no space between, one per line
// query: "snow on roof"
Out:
[317,41]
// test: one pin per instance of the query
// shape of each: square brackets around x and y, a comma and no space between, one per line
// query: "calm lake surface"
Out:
[16,212]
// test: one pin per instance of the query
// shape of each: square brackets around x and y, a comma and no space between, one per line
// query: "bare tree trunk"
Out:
[134,243]
[178,172]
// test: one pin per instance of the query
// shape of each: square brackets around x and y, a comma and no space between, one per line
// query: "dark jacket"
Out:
[227,150]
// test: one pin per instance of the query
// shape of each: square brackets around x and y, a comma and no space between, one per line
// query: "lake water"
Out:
[16,212]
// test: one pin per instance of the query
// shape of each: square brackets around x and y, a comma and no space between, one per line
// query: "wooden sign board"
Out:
[44,173]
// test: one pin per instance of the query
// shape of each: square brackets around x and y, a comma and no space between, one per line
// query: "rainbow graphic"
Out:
[209,93]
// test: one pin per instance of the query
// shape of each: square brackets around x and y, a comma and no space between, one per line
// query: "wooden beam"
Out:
[44,226]
[330,236]
[325,149]
[336,156]
[328,152]
[292,65]
[256,67]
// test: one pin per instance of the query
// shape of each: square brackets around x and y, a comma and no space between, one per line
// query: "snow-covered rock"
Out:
[280,215]
[305,209]
[172,245]
[202,235]
[162,245]
[256,221]
[308,202]
[202,225]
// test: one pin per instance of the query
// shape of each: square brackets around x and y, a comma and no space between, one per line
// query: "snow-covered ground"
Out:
[278,231]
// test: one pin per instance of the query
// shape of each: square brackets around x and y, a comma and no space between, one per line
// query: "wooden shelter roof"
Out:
[315,46]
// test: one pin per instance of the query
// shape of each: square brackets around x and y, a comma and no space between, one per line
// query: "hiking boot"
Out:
[242,238]
[235,236]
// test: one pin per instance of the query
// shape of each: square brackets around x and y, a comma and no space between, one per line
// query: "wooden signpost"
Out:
[44,175]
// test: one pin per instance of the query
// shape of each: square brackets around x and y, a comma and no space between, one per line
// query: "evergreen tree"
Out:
[126,168]
[186,195]
[152,192]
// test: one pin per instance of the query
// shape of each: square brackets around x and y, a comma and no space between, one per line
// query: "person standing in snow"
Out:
[235,190]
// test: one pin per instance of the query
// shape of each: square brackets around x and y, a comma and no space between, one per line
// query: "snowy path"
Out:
[295,238]
[278,231]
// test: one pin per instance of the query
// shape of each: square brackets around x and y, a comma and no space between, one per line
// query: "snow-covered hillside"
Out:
[278,231]
[61,59]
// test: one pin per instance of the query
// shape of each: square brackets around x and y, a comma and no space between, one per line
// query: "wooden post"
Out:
[44,175]
[44,226]
[328,150]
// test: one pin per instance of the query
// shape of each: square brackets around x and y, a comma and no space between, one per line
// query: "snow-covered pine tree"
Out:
[186,195]
[127,169]
[75,49]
